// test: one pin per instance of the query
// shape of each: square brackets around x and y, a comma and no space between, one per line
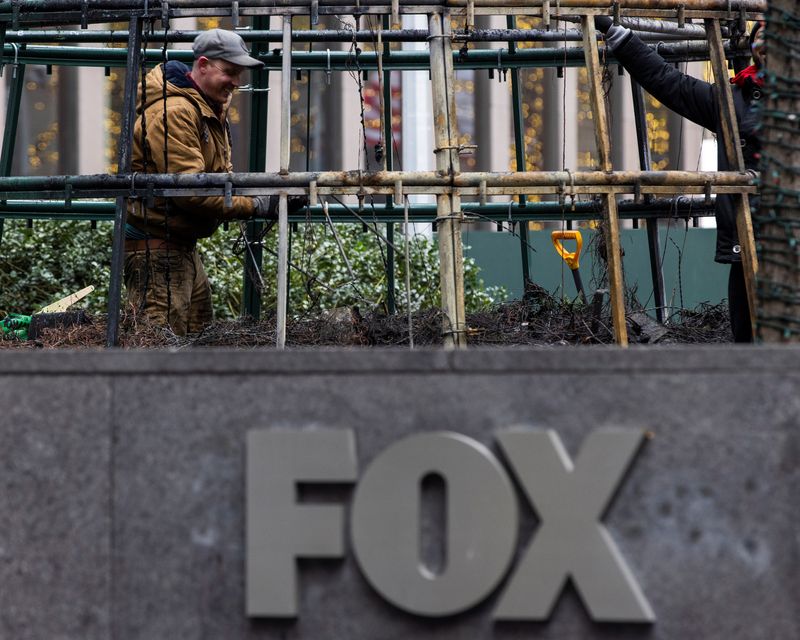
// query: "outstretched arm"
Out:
[684,94]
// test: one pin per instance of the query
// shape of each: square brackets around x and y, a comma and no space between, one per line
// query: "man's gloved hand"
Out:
[267,206]
[615,35]
[297,202]
[603,23]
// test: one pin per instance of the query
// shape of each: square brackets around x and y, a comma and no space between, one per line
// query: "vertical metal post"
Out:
[448,209]
[653,243]
[283,207]
[259,111]
[292,228]
[10,128]
[286,94]
[283,270]
[391,302]
[386,79]
[68,109]
[519,148]
[733,151]
[615,281]
[123,166]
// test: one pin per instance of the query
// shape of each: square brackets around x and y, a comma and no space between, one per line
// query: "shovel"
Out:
[572,258]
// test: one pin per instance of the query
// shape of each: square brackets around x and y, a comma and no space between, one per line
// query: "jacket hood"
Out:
[177,85]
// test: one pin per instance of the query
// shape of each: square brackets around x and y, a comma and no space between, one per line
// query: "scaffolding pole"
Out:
[653,243]
[733,151]
[611,226]
[519,154]
[123,164]
[677,208]
[259,111]
[657,30]
[368,60]
[283,207]
[12,120]
[448,219]
[474,183]
[387,140]
[85,12]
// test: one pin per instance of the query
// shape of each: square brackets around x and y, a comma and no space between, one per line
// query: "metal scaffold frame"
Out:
[22,196]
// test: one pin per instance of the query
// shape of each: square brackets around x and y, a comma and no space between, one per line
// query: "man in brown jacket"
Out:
[186,133]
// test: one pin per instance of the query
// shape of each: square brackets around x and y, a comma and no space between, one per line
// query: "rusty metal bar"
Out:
[611,228]
[138,185]
[646,30]
[448,165]
[33,6]
[733,151]
[283,208]
[41,12]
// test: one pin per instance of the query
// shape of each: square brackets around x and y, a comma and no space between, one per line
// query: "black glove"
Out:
[267,206]
[296,203]
[603,23]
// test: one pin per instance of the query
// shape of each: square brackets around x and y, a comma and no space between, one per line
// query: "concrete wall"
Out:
[122,484]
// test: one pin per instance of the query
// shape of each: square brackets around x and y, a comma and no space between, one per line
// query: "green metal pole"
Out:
[12,119]
[423,213]
[124,160]
[259,108]
[341,60]
[519,145]
[5,134]
[391,303]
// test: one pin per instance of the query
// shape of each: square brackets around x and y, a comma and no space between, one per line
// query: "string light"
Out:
[776,222]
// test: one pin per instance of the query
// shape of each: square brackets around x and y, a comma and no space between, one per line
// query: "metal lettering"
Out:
[278,529]
[480,521]
[571,542]
[481,513]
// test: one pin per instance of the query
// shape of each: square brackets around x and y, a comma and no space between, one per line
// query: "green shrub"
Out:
[53,259]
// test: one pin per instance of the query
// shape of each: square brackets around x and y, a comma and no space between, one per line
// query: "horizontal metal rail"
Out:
[646,29]
[30,7]
[564,184]
[344,61]
[43,12]
[680,207]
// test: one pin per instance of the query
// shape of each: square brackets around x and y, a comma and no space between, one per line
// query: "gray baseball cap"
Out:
[220,44]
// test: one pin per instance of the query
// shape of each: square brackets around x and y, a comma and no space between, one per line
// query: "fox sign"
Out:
[481,516]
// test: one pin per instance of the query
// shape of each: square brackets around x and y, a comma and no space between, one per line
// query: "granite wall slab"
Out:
[122,512]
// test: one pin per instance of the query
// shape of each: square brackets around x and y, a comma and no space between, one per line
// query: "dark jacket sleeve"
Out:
[692,98]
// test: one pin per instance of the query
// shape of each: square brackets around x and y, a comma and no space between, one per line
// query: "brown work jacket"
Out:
[197,141]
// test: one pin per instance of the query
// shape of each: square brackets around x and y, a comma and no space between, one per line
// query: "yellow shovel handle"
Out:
[572,258]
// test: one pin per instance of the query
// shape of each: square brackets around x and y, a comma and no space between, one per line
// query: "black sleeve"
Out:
[685,95]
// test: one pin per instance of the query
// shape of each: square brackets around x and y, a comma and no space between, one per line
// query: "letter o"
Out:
[481,514]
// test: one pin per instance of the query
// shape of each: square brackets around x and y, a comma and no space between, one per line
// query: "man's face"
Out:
[217,78]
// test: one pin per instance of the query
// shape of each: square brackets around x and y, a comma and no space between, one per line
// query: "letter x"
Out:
[571,542]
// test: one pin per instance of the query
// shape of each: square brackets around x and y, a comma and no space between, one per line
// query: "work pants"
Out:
[170,287]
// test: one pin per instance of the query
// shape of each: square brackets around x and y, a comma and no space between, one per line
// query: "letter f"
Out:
[278,529]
